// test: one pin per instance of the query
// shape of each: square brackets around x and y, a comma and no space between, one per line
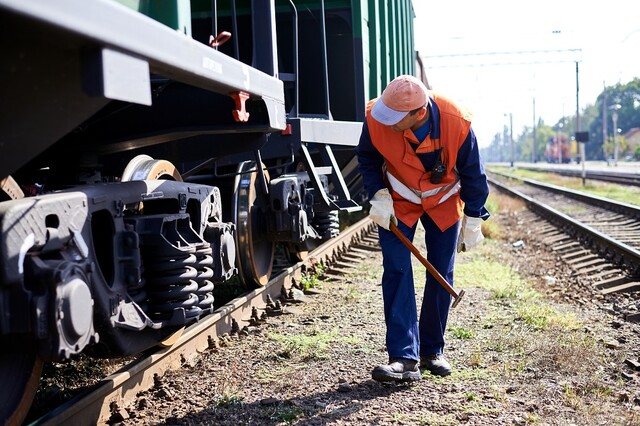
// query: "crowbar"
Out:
[456,295]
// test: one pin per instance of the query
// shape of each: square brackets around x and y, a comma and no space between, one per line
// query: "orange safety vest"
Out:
[442,201]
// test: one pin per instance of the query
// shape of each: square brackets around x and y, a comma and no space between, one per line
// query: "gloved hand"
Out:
[381,211]
[470,233]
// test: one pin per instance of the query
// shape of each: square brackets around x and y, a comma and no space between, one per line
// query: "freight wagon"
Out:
[152,150]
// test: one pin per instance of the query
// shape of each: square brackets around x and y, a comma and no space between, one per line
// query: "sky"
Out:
[511,61]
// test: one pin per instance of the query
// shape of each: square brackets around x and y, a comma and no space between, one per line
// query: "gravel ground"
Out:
[571,367]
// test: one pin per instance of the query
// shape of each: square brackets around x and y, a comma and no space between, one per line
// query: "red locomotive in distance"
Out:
[558,150]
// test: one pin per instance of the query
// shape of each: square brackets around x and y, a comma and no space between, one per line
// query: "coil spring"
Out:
[176,267]
[181,280]
[204,260]
[171,284]
[327,224]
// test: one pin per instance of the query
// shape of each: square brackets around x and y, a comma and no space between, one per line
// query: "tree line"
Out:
[597,120]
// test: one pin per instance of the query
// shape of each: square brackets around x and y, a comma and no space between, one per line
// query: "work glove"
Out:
[381,211]
[470,233]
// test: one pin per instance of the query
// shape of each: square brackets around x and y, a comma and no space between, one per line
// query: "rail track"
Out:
[598,238]
[104,401]
[613,176]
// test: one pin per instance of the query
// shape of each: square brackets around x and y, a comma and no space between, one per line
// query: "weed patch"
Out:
[309,347]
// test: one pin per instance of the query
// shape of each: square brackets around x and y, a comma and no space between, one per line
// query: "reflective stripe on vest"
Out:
[413,195]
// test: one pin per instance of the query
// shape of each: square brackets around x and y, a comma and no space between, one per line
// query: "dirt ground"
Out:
[544,349]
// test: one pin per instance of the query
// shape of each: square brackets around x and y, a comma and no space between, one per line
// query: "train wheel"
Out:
[144,167]
[172,338]
[10,189]
[20,370]
[299,252]
[296,253]
[255,251]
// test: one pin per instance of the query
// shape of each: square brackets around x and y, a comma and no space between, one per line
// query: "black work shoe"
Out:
[398,370]
[436,364]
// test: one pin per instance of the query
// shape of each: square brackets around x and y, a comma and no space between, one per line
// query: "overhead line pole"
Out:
[583,158]
[521,52]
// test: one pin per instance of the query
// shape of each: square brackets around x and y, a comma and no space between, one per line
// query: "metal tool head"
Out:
[457,299]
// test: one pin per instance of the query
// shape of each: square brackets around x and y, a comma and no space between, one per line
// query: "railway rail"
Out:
[598,238]
[103,402]
[628,176]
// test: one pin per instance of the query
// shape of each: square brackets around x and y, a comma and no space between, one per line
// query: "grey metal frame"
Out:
[168,52]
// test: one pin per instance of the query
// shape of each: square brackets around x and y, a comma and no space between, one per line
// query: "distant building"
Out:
[633,139]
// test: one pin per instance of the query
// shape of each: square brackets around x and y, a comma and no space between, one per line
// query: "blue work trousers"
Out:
[406,336]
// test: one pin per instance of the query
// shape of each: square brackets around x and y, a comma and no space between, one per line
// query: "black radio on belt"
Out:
[437,172]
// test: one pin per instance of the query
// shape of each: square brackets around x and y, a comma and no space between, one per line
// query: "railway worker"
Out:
[419,160]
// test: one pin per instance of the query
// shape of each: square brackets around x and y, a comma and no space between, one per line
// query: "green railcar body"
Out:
[368,43]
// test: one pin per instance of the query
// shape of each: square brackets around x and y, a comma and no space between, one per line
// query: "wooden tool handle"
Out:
[432,270]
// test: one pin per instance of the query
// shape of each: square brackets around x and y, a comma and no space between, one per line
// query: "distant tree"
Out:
[628,97]
[493,152]
[523,145]
[609,147]
[541,139]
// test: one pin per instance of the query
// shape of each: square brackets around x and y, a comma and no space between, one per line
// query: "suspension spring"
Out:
[204,262]
[327,224]
[171,282]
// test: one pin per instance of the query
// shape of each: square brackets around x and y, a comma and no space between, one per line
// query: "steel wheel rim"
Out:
[20,371]
[255,251]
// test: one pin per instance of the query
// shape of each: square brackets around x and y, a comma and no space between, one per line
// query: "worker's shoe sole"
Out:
[399,370]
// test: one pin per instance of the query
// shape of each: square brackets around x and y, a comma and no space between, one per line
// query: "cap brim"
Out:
[386,115]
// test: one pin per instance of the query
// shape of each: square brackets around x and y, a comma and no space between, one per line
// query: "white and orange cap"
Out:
[404,94]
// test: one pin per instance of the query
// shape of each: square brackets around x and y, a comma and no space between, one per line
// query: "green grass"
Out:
[352,295]
[510,286]
[279,374]
[426,419]
[228,399]
[308,281]
[521,332]
[494,276]
[312,346]
[625,194]
[289,415]
[461,333]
